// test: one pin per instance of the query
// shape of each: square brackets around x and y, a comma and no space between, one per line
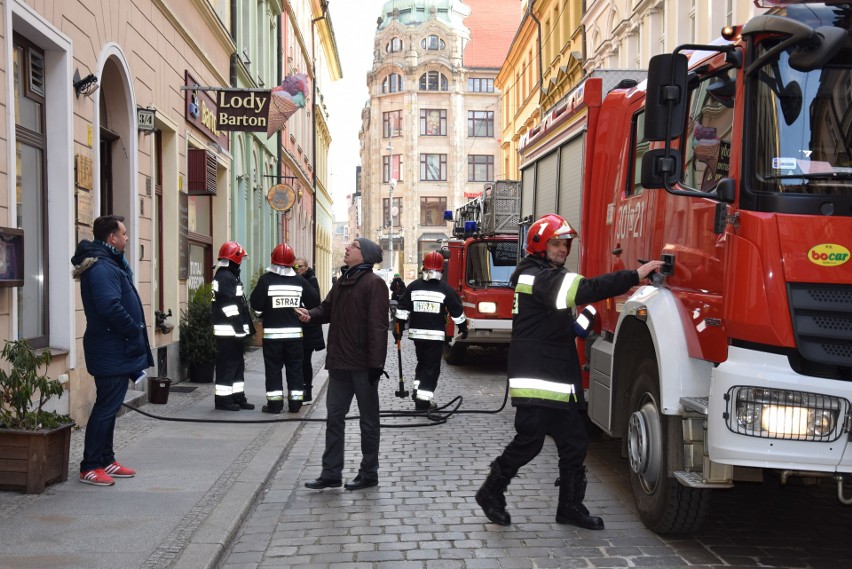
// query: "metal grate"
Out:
[822,322]
[182,389]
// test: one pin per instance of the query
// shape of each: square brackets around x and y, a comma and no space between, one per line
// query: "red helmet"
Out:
[232,251]
[433,261]
[550,226]
[283,255]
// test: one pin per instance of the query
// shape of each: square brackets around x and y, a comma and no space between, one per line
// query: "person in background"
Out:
[231,324]
[397,287]
[278,292]
[313,339]
[356,310]
[545,383]
[115,342]
[425,306]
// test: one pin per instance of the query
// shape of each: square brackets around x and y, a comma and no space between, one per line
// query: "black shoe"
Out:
[225,403]
[421,405]
[308,398]
[273,407]
[358,483]
[294,406]
[243,403]
[321,483]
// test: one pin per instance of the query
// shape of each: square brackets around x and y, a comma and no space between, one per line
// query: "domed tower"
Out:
[429,131]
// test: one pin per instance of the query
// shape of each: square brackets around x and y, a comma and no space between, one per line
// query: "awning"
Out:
[433,237]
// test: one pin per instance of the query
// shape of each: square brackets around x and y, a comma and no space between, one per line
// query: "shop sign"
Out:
[281,197]
[243,110]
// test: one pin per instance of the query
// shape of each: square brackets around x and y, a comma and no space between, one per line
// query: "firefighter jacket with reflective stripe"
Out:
[277,292]
[425,305]
[543,366]
[230,311]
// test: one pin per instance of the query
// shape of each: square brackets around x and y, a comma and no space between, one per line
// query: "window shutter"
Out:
[202,172]
[36,72]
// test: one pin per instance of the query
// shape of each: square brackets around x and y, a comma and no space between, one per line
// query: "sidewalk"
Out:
[195,483]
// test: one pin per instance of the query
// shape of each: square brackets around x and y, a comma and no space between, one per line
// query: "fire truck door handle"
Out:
[617,251]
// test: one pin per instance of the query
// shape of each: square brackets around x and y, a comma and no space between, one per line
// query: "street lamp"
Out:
[390,203]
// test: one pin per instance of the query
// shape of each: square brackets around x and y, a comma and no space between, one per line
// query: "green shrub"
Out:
[20,386]
[197,342]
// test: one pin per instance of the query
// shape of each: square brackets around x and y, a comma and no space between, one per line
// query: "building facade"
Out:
[429,139]
[106,114]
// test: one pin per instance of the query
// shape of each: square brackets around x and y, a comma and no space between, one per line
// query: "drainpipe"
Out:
[236,55]
[538,24]
[314,125]
[278,135]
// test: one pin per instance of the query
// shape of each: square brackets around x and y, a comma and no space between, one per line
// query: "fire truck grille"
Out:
[822,322]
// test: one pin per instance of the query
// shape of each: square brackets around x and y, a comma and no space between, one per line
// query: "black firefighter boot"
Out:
[572,491]
[240,399]
[225,403]
[490,496]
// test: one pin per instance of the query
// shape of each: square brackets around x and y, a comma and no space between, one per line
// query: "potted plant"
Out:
[36,442]
[197,342]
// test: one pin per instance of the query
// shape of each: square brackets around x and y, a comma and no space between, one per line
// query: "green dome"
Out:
[416,12]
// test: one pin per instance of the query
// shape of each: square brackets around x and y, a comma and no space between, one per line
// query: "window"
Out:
[397,212]
[480,123]
[392,83]
[432,43]
[392,124]
[433,167]
[31,190]
[433,81]
[478,85]
[708,153]
[480,168]
[394,45]
[391,168]
[433,122]
[491,263]
[432,211]
[640,147]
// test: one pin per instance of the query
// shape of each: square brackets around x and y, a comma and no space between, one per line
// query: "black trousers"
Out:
[342,386]
[307,368]
[278,354]
[533,424]
[428,368]
[230,366]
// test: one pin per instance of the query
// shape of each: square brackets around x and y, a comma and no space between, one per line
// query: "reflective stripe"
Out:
[231,310]
[423,334]
[525,284]
[215,285]
[287,290]
[224,390]
[529,388]
[460,319]
[239,290]
[415,384]
[281,333]
[296,395]
[567,294]
[223,330]
[428,295]
[402,314]
[582,321]
[277,395]
[239,386]
[424,395]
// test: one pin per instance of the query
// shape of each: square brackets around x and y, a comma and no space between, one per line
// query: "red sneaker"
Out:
[96,477]
[117,471]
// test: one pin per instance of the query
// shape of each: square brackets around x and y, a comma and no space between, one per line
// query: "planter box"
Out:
[29,460]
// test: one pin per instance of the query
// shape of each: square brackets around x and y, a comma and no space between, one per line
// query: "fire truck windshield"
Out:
[491,263]
[802,126]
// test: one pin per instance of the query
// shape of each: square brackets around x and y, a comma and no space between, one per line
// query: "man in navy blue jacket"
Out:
[115,342]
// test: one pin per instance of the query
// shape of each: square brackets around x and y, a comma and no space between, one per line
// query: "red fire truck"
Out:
[732,163]
[480,258]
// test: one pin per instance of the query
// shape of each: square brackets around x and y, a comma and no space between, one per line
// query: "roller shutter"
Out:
[571,190]
[545,191]
[527,190]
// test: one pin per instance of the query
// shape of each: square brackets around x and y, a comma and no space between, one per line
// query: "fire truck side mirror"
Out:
[661,168]
[665,102]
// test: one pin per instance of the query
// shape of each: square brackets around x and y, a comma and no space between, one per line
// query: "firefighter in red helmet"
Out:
[231,324]
[544,371]
[424,307]
[277,292]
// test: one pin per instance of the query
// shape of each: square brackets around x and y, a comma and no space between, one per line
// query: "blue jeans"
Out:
[98,451]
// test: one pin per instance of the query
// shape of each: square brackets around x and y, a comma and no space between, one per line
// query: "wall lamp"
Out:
[85,86]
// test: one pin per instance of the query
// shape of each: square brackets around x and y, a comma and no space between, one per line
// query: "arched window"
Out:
[433,81]
[394,45]
[392,83]
[432,42]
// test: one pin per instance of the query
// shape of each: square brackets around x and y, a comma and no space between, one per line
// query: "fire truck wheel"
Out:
[654,449]
[454,354]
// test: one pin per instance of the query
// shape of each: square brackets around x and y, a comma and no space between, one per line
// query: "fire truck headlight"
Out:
[487,307]
[785,414]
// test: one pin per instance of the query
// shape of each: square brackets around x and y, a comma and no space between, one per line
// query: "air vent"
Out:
[36,72]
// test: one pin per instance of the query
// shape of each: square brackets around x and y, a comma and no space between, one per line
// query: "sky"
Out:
[354,24]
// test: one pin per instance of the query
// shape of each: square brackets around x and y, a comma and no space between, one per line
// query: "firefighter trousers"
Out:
[428,368]
[287,354]
[533,424]
[230,366]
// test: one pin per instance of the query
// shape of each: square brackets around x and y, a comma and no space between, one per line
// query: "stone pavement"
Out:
[232,496]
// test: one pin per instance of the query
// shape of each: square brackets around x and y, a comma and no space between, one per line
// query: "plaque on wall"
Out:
[83,171]
[85,207]
[183,236]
